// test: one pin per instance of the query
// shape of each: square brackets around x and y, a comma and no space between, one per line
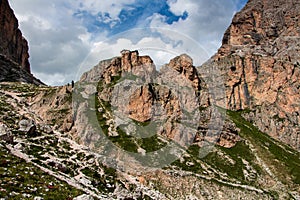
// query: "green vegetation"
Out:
[46,141]
[20,178]
[66,146]
[18,87]
[124,141]
[152,143]
[104,183]
[64,111]
[193,157]
[7,111]
[4,107]
[282,158]
[35,150]
[50,92]
[233,165]
[143,124]
[114,80]
[232,162]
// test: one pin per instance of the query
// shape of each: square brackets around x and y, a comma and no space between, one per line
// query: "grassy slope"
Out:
[258,151]
[283,159]
[19,178]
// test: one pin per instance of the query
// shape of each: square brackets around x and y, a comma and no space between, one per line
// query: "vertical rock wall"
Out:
[12,44]
[260,64]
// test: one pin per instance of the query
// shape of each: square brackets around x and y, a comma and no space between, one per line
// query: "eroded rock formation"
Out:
[184,65]
[174,98]
[260,63]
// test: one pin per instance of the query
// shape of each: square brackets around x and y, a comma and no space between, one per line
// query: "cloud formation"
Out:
[67,37]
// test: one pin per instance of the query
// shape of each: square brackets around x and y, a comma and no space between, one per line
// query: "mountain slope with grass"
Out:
[225,130]
[255,166]
[259,62]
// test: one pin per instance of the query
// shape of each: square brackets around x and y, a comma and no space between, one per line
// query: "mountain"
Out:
[260,64]
[14,56]
[108,148]
[128,131]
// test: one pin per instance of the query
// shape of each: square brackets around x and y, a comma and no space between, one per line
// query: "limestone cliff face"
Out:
[12,43]
[260,62]
[129,62]
[184,65]
[14,63]
[174,98]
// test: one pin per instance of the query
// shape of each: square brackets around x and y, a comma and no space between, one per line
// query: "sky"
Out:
[69,37]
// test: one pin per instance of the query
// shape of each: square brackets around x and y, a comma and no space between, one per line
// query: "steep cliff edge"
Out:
[14,56]
[12,43]
[260,63]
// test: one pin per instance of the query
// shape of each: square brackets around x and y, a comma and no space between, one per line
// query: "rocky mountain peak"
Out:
[131,59]
[128,62]
[262,22]
[184,65]
[139,94]
[259,60]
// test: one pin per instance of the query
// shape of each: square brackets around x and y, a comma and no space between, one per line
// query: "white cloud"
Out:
[57,41]
[60,43]
[206,22]
[55,79]
[161,51]
[113,7]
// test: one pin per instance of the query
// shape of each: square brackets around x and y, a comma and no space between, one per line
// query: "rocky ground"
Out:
[42,159]
[127,131]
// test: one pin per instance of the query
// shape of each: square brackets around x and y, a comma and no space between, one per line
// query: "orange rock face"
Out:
[260,63]
[184,65]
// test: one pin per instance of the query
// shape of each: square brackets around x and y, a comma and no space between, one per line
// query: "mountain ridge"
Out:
[108,135]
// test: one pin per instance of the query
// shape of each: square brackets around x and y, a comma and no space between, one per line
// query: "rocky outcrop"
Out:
[260,64]
[129,62]
[141,104]
[174,98]
[12,72]
[54,106]
[14,63]
[184,65]
[12,43]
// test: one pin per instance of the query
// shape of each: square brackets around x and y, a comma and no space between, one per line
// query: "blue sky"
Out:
[241,4]
[130,17]
[68,37]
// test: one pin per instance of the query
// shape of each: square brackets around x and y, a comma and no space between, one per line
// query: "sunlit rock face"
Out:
[175,99]
[260,63]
